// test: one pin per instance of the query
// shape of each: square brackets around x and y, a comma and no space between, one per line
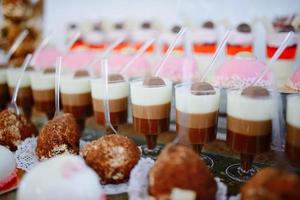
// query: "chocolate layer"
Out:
[115,105]
[24,99]
[196,121]
[293,144]
[198,135]
[44,95]
[150,126]
[76,100]
[116,118]
[248,144]
[79,112]
[249,128]
[151,112]
[4,96]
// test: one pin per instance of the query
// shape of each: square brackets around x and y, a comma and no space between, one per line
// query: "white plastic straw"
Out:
[170,50]
[15,45]
[216,54]
[57,84]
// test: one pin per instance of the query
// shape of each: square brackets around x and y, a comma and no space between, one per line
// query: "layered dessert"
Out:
[118,31]
[240,71]
[25,97]
[112,157]
[241,39]
[76,96]
[151,103]
[293,129]
[93,37]
[197,106]
[249,122]
[118,89]
[144,32]
[8,170]
[283,67]
[205,38]
[4,93]
[71,29]
[43,89]
[60,178]
[169,36]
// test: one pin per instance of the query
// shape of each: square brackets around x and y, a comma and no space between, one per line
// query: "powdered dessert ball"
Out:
[112,157]
[179,169]
[272,184]
[59,136]
[60,178]
[8,170]
[14,129]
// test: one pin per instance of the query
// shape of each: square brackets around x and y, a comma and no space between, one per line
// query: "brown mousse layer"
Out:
[151,120]
[24,99]
[44,101]
[117,108]
[293,144]
[4,94]
[248,137]
[201,128]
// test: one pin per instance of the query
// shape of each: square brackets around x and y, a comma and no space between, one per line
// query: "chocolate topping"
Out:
[244,28]
[29,69]
[208,24]
[81,73]
[176,29]
[146,25]
[49,70]
[112,78]
[72,26]
[287,28]
[255,91]
[153,81]
[119,26]
[97,27]
[202,88]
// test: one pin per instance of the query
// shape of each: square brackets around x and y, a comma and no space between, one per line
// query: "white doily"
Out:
[26,159]
[138,182]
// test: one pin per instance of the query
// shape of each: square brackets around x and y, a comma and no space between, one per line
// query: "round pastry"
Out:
[8,170]
[112,157]
[59,136]
[59,178]
[179,170]
[272,184]
[14,129]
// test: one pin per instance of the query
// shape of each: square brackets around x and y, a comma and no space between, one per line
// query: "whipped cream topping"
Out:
[142,35]
[205,36]
[93,37]
[116,34]
[239,38]
[293,110]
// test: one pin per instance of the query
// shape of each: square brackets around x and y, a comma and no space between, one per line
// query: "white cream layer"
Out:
[238,38]
[189,103]
[205,35]
[148,96]
[75,85]
[274,39]
[42,81]
[116,90]
[13,75]
[293,110]
[254,109]
[2,76]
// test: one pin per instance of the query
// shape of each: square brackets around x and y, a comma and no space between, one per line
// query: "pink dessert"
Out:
[140,68]
[179,69]
[76,60]
[240,71]
[47,57]
[294,81]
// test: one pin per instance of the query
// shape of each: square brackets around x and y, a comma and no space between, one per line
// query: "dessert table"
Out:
[217,150]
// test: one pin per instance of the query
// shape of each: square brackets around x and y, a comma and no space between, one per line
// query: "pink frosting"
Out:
[294,81]
[240,72]
[179,69]
[47,57]
[79,59]
[139,68]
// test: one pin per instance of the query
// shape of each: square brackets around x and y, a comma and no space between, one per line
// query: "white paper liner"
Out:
[26,159]
[138,182]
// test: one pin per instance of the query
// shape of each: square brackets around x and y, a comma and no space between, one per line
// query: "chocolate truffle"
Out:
[202,88]
[112,157]
[287,28]
[176,29]
[146,25]
[179,167]
[119,26]
[208,24]
[255,92]
[270,183]
[154,81]
[14,129]
[49,70]
[58,136]
[243,28]
[81,73]
[114,78]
